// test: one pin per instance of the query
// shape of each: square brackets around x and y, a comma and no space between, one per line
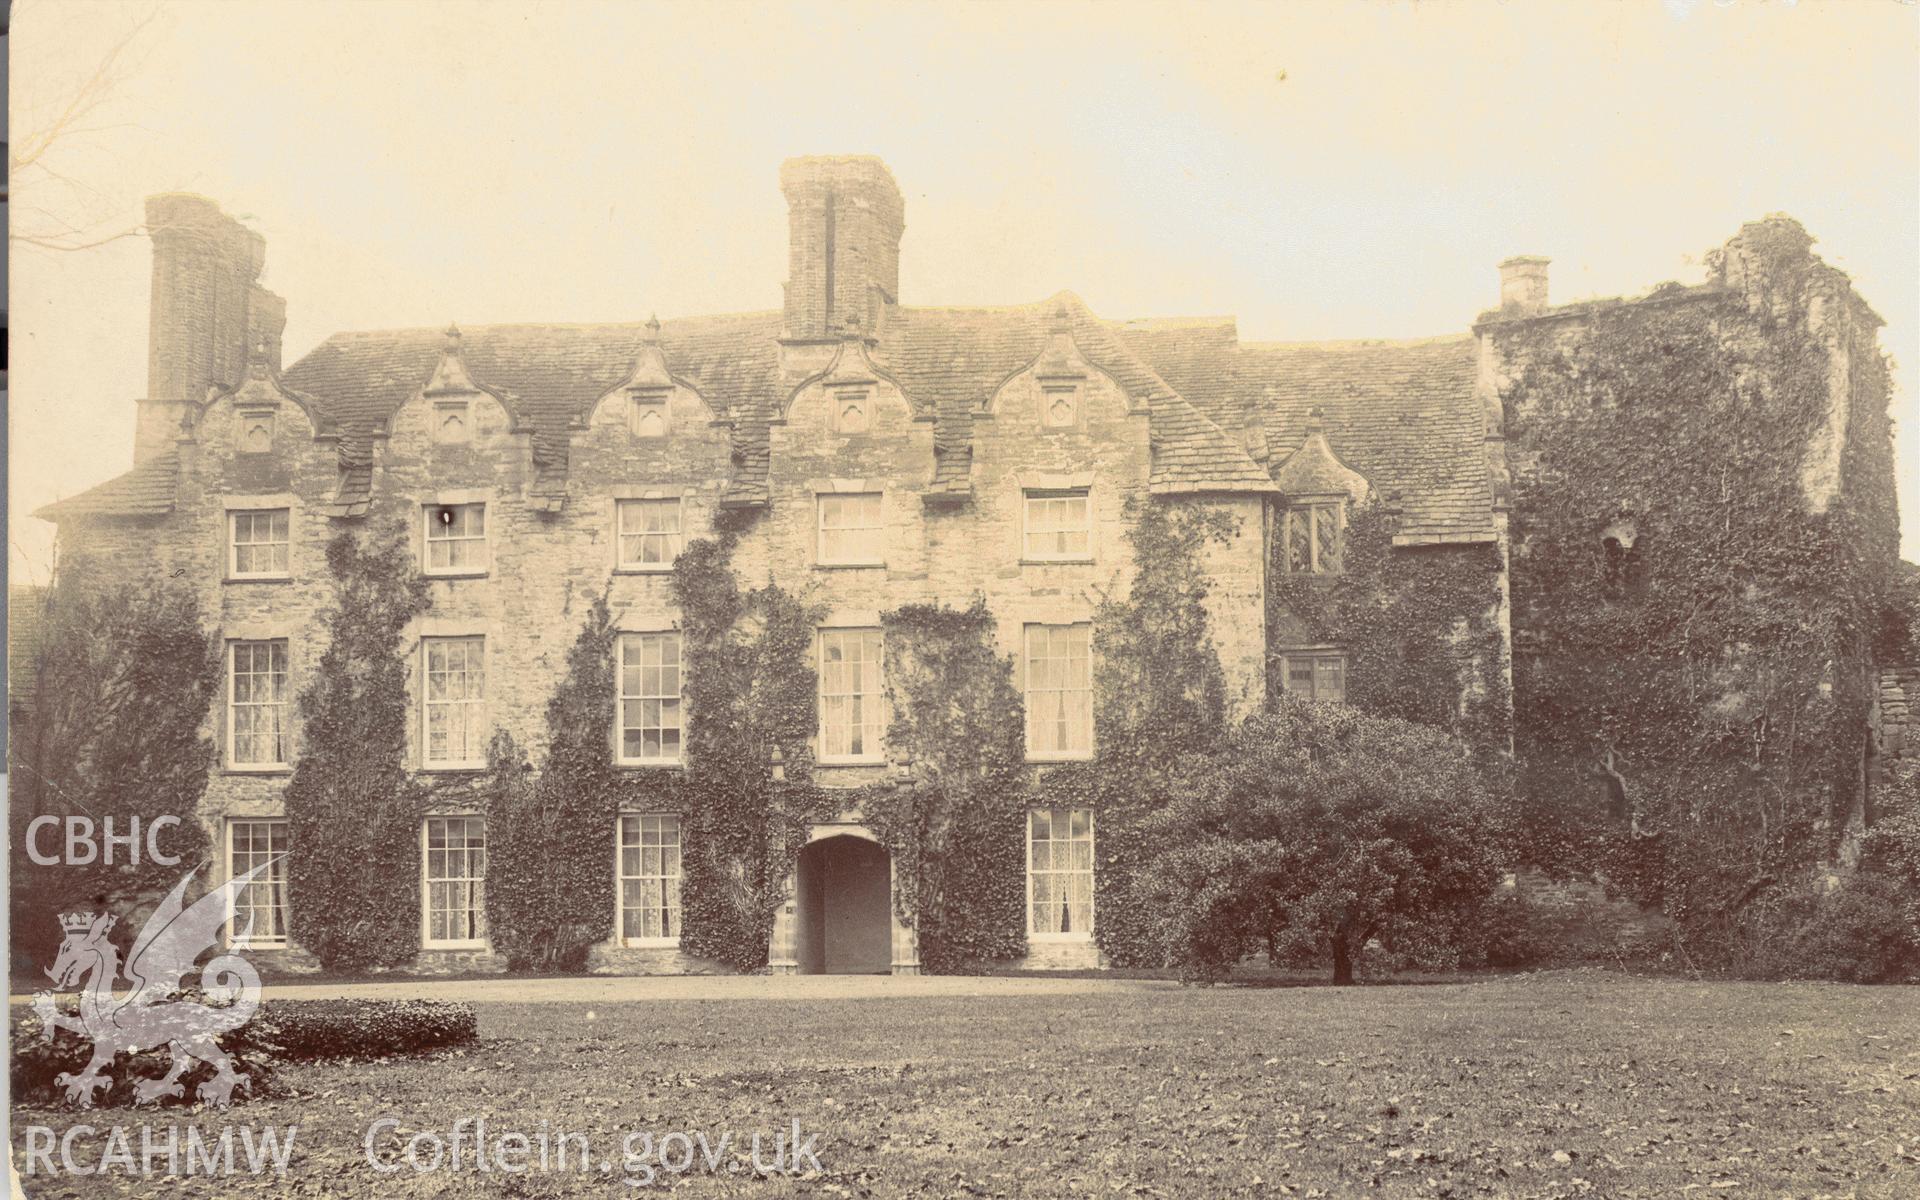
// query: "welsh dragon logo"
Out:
[151,1014]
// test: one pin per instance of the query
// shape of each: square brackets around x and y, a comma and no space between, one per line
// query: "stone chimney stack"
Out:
[1523,285]
[207,312]
[844,220]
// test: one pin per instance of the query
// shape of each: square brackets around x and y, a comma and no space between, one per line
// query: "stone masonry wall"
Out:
[545,567]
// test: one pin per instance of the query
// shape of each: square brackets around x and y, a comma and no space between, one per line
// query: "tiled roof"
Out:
[145,491]
[1403,414]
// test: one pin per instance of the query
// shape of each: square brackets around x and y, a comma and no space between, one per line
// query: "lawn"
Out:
[1548,1085]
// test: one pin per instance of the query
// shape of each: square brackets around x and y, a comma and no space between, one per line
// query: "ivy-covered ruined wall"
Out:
[1420,627]
[1703,538]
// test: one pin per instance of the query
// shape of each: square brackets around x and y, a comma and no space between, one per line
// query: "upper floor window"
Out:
[257,918]
[852,411]
[457,539]
[451,419]
[850,701]
[1312,534]
[649,878]
[1314,674]
[1059,527]
[649,415]
[1059,405]
[257,544]
[1060,874]
[454,903]
[651,720]
[852,529]
[257,705]
[648,533]
[1059,696]
[254,434]
[455,702]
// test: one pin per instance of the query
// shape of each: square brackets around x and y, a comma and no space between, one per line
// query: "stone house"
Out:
[877,454]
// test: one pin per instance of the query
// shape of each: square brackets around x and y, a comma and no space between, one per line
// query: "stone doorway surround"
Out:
[784,947]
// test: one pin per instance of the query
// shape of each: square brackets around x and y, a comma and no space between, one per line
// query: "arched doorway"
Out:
[843,907]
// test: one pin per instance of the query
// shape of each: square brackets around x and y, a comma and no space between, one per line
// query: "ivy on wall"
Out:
[124,676]
[351,799]
[750,687]
[956,830]
[1696,639]
[1159,693]
[552,837]
[1419,625]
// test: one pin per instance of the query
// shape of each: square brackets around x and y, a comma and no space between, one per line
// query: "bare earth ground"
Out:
[1546,1085]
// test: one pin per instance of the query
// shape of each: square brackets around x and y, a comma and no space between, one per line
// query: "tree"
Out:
[1322,826]
[123,678]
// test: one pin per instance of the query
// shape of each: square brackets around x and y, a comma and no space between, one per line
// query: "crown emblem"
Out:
[80,922]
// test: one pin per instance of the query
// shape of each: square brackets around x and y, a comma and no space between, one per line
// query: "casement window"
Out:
[1059,697]
[648,415]
[454,865]
[257,705]
[253,431]
[1059,405]
[648,532]
[456,539]
[1313,533]
[1314,674]
[852,529]
[454,707]
[649,879]
[258,917]
[258,544]
[1060,874]
[651,711]
[1059,527]
[452,420]
[851,722]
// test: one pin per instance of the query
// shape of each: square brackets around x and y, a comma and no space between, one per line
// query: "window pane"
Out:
[851,528]
[850,687]
[650,704]
[455,708]
[1059,698]
[650,875]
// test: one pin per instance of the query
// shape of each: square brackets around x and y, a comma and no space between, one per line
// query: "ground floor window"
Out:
[455,849]
[649,878]
[259,916]
[1315,674]
[1060,873]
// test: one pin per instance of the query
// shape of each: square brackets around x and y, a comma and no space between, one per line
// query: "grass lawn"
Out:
[1546,1085]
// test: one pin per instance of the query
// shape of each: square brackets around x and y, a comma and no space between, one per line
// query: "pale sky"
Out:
[1320,171]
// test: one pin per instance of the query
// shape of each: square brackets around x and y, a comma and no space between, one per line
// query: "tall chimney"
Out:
[207,312]
[844,220]
[1523,285]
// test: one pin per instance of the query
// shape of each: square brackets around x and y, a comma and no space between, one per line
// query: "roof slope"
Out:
[1225,416]
[145,491]
[1403,414]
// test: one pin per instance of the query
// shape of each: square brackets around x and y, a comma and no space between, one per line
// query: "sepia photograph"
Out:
[962,599]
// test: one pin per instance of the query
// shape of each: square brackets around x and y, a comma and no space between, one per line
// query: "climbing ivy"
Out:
[955,831]
[750,687]
[551,837]
[1159,693]
[354,810]
[1695,631]
[1420,627]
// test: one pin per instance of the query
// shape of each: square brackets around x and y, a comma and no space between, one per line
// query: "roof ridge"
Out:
[1443,339]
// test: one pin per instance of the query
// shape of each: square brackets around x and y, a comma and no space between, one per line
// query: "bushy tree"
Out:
[1318,825]
[124,675]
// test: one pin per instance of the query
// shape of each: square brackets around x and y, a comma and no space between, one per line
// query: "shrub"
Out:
[281,1031]
[310,1030]
[1320,824]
